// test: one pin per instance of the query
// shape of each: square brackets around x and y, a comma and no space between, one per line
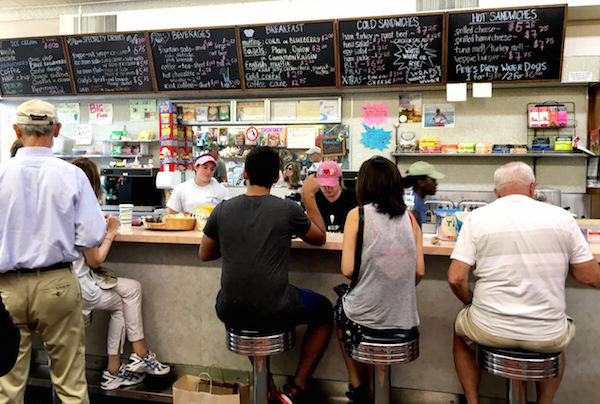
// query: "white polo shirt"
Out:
[522,249]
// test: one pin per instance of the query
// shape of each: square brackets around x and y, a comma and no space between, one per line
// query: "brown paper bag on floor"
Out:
[190,389]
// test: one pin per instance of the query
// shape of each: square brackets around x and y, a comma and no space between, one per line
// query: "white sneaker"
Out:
[122,378]
[147,364]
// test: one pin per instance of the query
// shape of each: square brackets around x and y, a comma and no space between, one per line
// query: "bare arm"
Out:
[416,215]
[171,211]
[209,249]
[316,234]
[420,268]
[95,256]
[349,243]
[587,273]
[458,278]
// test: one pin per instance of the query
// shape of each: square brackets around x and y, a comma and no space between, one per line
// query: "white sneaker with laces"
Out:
[147,364]
[122,378]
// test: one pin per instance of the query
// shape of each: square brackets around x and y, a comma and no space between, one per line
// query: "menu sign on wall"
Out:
[288,55]
[110,63]
[506,45]
[34,66]
[401,50]
[196,59]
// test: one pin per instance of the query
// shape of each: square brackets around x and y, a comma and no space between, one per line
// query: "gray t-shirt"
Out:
[384,296]
[254,235]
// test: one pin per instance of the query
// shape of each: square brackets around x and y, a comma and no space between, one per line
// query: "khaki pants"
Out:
[49,303]
[471,334]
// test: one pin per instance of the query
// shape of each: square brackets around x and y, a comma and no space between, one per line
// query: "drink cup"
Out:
[125,215]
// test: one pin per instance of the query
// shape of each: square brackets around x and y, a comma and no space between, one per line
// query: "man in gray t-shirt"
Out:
[253,233]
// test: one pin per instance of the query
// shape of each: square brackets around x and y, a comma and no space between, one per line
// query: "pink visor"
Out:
[207,158]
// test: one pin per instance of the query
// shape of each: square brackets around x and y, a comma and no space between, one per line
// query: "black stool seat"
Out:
[387,347]
[518,364]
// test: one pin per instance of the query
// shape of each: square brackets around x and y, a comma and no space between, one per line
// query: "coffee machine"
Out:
[132,185]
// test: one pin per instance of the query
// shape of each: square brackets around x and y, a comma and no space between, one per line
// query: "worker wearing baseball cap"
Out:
[202,190]
[333,198]
[423,177]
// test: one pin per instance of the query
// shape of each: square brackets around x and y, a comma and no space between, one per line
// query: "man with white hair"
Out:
[523,250]
[49,214]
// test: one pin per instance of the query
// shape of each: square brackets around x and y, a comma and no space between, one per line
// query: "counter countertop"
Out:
[334,240]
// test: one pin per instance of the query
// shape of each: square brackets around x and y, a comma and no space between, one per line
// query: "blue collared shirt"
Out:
[48,211]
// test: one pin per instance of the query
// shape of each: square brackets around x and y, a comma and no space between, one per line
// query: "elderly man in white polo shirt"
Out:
[523,251]
[49,214]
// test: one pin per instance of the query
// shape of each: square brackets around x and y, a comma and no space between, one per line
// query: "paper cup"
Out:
[125,215]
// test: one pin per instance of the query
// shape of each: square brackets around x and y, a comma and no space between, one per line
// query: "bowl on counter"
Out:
[169,222]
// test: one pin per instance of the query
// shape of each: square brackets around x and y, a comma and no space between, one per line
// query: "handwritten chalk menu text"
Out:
[288,55]
[506,45]
[197,59]
[34,66]
[391,51]
[110,63]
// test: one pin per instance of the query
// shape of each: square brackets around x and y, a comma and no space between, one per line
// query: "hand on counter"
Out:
[112,226]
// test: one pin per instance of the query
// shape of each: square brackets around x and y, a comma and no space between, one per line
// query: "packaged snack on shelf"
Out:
[563,143]
[544,117]
[562,116]
[483,148]
[466,148]
[450,148]
[540,143]
[501,149]
[534,117]
[518,149]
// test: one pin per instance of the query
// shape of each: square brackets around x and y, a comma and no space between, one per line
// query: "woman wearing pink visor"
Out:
[202,190]
[333,199]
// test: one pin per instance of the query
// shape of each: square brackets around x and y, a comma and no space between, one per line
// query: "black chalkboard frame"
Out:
[148,53]
[562,47]
[444,30]
[219,90]
[335,53]
[66,56]
[342,144]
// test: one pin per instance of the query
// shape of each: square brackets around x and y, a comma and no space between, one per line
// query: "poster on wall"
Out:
[410,106]
[68,112]
[438,116]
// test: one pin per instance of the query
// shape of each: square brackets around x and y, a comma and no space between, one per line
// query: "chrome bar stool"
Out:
[518,367]
[259,345]
[383,348]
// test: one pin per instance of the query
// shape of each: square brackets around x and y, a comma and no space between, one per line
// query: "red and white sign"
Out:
[252,134]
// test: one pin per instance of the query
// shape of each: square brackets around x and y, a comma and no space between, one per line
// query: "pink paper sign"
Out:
[375,114]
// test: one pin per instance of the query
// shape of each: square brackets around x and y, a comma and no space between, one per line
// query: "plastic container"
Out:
[446,224]
[201,213]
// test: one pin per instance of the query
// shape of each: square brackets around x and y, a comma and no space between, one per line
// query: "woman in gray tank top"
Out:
[392,262]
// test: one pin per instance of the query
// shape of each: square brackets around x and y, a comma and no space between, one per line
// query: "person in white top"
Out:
[523,251]
[122,297]
[202,190]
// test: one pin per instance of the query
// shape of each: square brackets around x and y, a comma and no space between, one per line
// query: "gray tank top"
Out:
[384,296]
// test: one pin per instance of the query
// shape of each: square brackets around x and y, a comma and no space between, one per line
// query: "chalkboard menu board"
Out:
[110,63]
[289,55]
[401,50]
[196,59]
[34,66]
[506,45]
